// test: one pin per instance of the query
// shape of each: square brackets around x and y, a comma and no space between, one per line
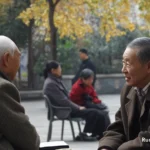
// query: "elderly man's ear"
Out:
[6,59]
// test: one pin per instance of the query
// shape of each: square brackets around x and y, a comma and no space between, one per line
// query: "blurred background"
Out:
[57,29]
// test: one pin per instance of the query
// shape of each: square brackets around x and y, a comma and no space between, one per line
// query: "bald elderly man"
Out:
[16,132]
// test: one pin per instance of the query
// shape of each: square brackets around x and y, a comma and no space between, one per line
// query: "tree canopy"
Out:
[9,24]
[72,16]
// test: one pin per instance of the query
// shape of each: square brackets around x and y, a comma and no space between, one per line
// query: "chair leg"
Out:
[62,129]
[50,131]
[78,122]
[72,129]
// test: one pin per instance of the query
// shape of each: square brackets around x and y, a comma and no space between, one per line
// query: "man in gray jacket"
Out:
[16,132]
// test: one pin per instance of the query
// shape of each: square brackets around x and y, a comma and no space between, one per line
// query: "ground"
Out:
[37,113]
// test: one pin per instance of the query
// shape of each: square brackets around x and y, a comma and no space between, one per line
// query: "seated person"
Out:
[83,93]
[56,91]
[16,131]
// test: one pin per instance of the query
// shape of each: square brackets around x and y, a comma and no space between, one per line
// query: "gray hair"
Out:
[142,45]
[86,73]
[7,45]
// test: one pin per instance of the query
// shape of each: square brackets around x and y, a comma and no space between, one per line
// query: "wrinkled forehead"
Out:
[129,53]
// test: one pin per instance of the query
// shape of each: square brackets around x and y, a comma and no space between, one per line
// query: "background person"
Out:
[83,94]
[86,63]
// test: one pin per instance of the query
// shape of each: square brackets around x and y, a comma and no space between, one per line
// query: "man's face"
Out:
[82,55]
[136,73]
[89,81]
[11,63]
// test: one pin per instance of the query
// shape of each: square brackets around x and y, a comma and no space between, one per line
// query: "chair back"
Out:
[58,111]
[50,107]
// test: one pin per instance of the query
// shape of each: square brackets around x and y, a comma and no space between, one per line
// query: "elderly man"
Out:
[16,132]
[131,130]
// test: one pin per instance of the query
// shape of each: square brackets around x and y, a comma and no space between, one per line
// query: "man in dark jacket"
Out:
[86,63]
[16,131]
[131,130]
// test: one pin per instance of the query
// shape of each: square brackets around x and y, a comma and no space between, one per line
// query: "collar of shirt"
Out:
[86,60]
[145,89]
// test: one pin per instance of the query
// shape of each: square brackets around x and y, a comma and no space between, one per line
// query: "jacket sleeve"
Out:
[114,136]
[142,142]
[14,124]
[52,91]
[76,94]
[91,66]
[94,96]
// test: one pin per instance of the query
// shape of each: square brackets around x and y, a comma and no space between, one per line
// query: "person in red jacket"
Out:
[83,93]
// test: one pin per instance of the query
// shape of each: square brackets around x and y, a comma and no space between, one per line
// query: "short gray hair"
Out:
[7,45]
[86,73]
[142,45]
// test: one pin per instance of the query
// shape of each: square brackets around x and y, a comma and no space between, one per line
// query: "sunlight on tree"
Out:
[70,16]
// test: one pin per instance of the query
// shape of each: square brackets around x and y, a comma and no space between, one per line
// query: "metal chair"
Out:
[55,114]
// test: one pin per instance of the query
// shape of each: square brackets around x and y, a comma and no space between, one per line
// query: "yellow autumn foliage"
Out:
[144,6]
[71,16]
[4,2]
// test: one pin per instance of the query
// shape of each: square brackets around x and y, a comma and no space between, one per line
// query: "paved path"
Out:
[38,116]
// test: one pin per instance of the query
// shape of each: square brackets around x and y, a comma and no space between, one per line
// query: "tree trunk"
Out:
[30,57]
[53,30]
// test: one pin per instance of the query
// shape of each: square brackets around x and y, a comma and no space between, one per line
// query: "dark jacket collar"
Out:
[58,79]
[86,60]
[59,82]
[4,76]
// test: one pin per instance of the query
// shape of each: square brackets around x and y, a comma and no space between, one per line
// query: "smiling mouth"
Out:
[127,78]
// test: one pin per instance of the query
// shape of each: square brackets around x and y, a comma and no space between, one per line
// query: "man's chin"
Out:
[129,83]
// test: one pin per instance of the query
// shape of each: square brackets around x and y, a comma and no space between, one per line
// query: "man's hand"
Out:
[82,108]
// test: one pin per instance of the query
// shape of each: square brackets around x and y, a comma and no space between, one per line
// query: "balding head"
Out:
[7,45]
[9,57]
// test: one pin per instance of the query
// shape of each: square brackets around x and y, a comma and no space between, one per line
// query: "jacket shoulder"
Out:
[4,84]
[10,89]
[49,82]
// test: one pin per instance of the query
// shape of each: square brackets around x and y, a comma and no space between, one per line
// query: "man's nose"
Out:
[123,69]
